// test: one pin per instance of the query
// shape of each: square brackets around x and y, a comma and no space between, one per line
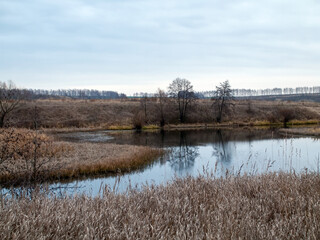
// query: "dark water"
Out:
[214,151]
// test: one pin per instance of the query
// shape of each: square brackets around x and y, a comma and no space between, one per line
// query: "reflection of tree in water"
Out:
[46,189]
[222,149]
[182,157]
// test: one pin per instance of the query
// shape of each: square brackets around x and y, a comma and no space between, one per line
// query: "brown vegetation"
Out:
[117,113]
[272,206]
[56,160]
[97,158]
[27,155]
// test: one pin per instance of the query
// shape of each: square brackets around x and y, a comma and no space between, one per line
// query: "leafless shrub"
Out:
[272,117]
[25,153]
[138,120]
[285,115]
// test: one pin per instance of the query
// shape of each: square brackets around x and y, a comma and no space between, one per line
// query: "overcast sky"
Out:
[140,45]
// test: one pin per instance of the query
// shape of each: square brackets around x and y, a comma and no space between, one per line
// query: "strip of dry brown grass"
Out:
[97,158]
[273,206]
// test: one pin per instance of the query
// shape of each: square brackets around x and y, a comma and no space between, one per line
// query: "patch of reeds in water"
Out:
[270,206]
[134,160]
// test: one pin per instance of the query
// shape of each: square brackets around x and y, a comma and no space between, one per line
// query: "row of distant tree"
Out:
[75,93]
[250,92]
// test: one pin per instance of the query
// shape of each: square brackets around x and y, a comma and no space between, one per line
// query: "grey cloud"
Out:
[150,37]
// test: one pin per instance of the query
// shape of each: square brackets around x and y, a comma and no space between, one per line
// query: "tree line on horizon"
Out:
[249,92]
[75,93]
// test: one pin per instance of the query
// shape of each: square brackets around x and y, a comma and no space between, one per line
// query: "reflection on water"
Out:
[222,149]
[182,157]
[219,151]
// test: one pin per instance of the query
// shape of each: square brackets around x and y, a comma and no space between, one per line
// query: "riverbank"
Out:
[271,206]
[81,160]
[194,126]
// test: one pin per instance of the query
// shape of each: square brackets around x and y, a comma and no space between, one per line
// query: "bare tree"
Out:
[10,98]
[161,98]
[144,102]
[182,91]
[221,100]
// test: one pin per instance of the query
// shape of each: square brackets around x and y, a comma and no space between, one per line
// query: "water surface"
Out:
[194,152]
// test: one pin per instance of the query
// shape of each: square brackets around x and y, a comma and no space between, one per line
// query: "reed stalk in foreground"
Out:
[272,206]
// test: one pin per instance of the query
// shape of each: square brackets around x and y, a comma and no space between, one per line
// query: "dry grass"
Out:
[121,114]
[76,113]
[98,158]
[273,206]
[120,127]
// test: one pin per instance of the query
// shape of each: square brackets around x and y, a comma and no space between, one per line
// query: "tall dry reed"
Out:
[272,206]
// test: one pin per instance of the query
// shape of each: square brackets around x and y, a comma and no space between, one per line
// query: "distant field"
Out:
[287,97]
[113,113]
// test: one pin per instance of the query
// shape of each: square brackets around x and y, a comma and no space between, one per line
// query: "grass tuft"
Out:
[150,127]
[120,127]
